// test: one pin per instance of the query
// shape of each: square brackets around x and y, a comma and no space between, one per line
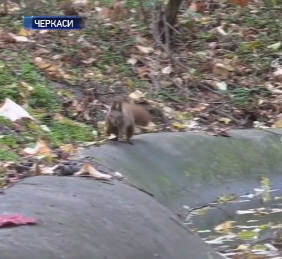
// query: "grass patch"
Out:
[69,133]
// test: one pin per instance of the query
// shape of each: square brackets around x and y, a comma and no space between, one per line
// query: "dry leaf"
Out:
[224,120]
[278,123]
[167,70]
[25,89]
[224,227]
[220,30]
[18,38]
[10,7]
[220,69]
[90,170]
[81,3]
[137,96]
[24,32]
[141,40]
[242,3]
[89,61]
[178,125]
[278,75]
[69,148]
[41,63]
[13,111]
[132,61]
[40,148]
[145,50]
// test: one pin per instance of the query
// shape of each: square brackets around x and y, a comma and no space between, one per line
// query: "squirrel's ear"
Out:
[113,106]
[116,106]
[119,106]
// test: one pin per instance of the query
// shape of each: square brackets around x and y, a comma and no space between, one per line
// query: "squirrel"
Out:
[122,117]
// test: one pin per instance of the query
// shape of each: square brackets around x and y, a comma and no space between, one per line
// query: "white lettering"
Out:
[53,23]
[37,22]
[59,23]
[70,23]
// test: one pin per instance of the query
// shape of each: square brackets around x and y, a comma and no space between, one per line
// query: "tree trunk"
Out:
[172,10]
[169,15]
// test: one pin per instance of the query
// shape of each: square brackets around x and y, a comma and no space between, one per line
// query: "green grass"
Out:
[69,133]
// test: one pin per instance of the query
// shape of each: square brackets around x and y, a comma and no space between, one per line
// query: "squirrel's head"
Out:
[116,115]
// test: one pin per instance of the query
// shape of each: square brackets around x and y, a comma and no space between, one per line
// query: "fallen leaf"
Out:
[10,6]
[13,111]
[90,170]
[137,96]
[278,122]
[242,247]
[24,32]
[247,234]
[278,75]
[18,38]
[242,3]
[167,70]
[226,198]
[47,170]
[132,61]
[69,148]
[145,50]
[15,220]
[38,61]
[274,46]
[89,61]
[224,227]
[40,148]
[80,2]
[220,69]
[178,125]
[224,120]
[221,86]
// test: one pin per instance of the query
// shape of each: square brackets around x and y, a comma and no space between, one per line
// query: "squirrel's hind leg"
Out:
[129,134]
[115,132]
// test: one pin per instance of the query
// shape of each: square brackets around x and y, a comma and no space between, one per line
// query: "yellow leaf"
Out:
[225,198]
[224,120]
[245,235]
[69,148]
[278,123]
[220,69]
[224,227]
[178,125]
[24,32]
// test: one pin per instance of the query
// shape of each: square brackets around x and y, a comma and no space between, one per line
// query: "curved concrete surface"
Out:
[84,219]
[81,218]
[195,168]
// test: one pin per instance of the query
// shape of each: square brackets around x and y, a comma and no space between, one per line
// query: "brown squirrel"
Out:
[122,117]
